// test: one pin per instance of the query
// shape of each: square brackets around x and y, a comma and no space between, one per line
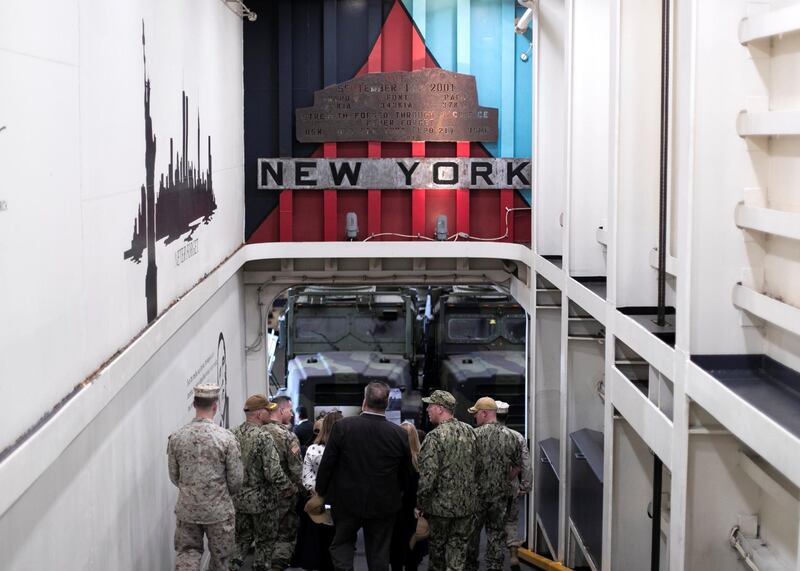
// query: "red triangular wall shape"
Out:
[397,47]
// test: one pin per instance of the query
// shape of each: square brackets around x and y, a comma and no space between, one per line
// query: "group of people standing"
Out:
[241,489]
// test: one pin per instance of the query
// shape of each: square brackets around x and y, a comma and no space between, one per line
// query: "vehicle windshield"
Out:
[471,328]
[515,329]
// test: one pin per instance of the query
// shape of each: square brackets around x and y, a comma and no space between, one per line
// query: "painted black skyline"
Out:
[185,196]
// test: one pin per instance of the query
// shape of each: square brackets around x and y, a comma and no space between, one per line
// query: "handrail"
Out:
[540,562]
[768,220]
[774,311]
[770,23]
[768,123]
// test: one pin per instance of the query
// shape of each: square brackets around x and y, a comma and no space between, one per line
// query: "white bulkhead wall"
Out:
[781,254]
[728,77]
[588,172]
[107,502]
[712,168]
[73,150]
[548,129]
[72,145]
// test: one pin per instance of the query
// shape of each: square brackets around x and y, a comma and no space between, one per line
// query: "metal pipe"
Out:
[736,543]
[663,174]
[655,545]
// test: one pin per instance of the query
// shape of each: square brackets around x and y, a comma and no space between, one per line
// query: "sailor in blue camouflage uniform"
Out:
[264,483]
[447,490]
[205,465]
[499,462]
[288,447]
[520,486]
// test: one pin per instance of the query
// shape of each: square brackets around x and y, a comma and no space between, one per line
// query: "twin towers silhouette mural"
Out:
[185,197]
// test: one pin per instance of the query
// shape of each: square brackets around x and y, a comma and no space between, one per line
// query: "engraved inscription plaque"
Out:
[402,106]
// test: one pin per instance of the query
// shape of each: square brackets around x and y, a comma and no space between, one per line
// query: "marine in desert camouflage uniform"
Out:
[205,465]
[447,490]
[288,447]
[264,482]
[520,486]
[499,462]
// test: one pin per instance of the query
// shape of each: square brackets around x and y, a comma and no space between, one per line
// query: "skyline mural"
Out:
[185,197]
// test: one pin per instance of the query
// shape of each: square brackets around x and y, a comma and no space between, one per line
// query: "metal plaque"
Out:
[400,173]
[400,106]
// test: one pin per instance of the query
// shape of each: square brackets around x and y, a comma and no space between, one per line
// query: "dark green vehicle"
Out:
[339,339]
[480,350]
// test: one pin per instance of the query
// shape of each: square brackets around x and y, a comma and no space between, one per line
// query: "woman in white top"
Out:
[315,451]
[314,539]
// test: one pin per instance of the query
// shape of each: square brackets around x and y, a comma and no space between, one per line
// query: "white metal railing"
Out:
[767,308]
[771,221]
[768,123]
[770,23]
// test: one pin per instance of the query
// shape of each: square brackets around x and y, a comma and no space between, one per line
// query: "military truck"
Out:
[339,339]
[480,335]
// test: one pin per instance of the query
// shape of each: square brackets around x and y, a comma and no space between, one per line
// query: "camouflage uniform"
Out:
[205,464]
[288,447]
[498,454]
[447,492]
[263,482]
[519,485]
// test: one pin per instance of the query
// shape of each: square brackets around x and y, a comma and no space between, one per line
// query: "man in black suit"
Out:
[304,430]
[363,473]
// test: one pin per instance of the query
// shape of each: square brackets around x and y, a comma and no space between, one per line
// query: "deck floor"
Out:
[360,563]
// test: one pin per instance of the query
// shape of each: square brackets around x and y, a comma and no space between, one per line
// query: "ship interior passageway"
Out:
[324,343]
[585,209]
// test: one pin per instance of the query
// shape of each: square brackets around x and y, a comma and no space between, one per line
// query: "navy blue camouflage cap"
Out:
[442,398]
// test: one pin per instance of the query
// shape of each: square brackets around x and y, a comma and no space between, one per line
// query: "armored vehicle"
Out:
[480,341]
[339,339]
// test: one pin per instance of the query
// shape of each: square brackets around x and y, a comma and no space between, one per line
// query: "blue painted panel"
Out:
[523,92]
[486,54]
[440,32]
[523,98]
[507,78]
[419,14]
[463,36]
[494,60]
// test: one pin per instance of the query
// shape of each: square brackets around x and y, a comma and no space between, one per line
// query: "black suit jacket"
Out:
[305,434]
[365,467]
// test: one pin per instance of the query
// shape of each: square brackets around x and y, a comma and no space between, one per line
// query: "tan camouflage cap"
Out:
[258,402]
[502,407]
[442,398]
[207,391]
[483,403]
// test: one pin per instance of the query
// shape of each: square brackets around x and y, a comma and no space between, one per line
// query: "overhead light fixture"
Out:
[238,8]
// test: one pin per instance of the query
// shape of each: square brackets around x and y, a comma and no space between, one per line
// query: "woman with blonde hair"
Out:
[314,539]
[403,556]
